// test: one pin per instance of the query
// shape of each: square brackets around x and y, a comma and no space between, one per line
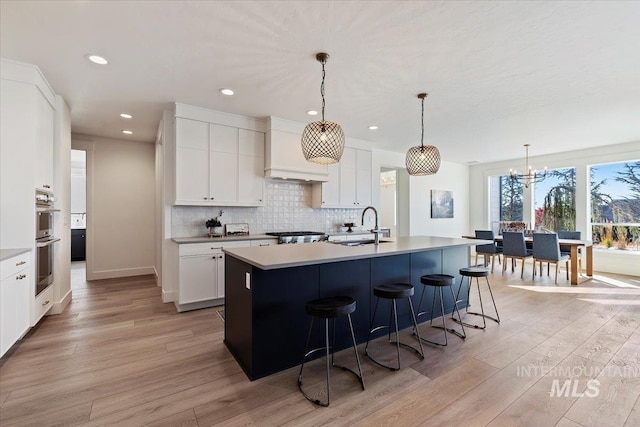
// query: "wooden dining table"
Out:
[573,245]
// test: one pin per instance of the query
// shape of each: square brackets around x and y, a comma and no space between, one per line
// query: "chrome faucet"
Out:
[376,231]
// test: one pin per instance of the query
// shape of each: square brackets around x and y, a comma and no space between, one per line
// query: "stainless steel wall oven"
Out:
[44,240]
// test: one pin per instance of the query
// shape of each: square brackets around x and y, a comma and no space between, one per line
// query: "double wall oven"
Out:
[45,240]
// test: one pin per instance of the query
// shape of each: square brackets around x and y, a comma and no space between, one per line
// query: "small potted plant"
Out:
[215,227]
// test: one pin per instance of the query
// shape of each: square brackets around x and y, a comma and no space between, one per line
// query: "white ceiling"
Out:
[558,75]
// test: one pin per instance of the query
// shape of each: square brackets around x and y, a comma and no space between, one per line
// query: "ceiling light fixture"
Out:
[96,59]
[127,132]
[126,116]
[531,176]
[373,127]
[323,141]
[422,159]
[312,112]
[226,91]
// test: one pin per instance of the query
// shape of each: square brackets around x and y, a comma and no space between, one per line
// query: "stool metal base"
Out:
[462,334]
[482,314]
[329,363]
[394,313]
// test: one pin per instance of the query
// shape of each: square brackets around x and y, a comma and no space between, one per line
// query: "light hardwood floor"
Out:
[119,356]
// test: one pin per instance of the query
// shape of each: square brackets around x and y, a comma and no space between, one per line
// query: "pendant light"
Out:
[323,141]
[422,159]
[530,176]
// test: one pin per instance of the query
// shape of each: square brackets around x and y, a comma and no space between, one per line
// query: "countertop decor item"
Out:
[422,159]
[323,141]
[530,176]
[215,227]
[349,225]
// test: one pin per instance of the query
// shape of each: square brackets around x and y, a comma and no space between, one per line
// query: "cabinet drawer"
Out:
[207,248]
[43,304]
[11,266]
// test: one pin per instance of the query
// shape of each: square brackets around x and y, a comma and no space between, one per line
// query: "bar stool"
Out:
[439,281]
[470,273]
[393,292]
[329,308]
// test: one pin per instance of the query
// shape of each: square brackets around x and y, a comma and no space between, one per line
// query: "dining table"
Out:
[573,246]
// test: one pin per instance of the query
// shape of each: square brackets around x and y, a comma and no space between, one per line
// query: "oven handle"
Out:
[38,209]
[46,243]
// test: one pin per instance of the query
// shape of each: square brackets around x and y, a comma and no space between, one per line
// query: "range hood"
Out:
[283,154]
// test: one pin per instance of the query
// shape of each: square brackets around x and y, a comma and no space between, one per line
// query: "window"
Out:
[555,200]
[510,199]
[615,205]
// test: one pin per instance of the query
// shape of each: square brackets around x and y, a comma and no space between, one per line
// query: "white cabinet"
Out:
[16,286]
[349,184]
[45,118]
[218,165]
[201,274]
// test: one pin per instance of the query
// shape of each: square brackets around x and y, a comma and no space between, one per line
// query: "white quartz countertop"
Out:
[205,239]
[10,253]
[284,256]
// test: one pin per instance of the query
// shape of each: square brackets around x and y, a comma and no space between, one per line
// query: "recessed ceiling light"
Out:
[226,91]
[97,59]
[127,132]
[312,112]
[373,127]
[126,116]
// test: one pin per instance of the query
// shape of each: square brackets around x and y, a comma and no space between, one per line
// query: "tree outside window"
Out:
[555,200]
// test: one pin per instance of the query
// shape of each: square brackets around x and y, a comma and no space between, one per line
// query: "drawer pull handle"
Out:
[45,303]
[264,244]
[20,277]
[21,263]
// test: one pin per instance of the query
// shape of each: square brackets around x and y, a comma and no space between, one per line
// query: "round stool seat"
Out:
[394,291]
[331,307]
[437,280]
[474,272]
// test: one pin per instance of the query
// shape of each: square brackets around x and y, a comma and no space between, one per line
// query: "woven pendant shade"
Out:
[323,142]
[422,159]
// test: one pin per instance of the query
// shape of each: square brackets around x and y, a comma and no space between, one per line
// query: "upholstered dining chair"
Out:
[546,248]
[490,250]
[572,235]
[514,247]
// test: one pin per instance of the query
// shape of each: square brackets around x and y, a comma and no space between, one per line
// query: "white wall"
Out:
[605,261]
[120,207]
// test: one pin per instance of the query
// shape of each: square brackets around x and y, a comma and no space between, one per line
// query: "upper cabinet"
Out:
[218,165]
[349,184]
[45,118]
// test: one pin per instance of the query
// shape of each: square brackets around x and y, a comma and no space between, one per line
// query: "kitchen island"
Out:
[266,289]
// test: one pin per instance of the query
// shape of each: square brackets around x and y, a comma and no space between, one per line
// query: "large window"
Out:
[555,200]
[510,199]
[615,205]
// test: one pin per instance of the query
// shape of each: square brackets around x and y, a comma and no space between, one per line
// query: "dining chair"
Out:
[546,248]
[572,235]
[489,249]
[514,247]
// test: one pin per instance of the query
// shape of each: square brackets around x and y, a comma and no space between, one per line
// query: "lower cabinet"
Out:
[201,274]
[78,244]
[16,289]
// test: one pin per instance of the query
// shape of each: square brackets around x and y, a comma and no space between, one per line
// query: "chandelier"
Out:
[422,159]
[531,176]
[323,141]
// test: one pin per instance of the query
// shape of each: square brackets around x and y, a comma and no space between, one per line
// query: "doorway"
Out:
[78,216]
[394,200]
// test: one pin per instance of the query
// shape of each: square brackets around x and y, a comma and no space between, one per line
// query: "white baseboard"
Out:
[114,274]
[58,307]
[198,305]
[167,296]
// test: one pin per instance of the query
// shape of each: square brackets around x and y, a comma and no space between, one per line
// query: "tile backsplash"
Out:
[287,207]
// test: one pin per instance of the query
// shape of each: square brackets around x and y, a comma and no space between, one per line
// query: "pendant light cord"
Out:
[322,89]
[422,135]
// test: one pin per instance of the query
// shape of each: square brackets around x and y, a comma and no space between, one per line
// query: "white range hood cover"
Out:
[283,154]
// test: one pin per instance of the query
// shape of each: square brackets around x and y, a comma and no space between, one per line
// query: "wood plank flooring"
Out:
[119,356]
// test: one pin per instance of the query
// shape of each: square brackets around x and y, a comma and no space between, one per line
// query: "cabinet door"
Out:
[14,308]
[331,188]
[251,180]
[44,144]
[223,138]
[192,176]
[363,178]
[223,177]
[192,134]
[348,178]
[198,278]
[220,276]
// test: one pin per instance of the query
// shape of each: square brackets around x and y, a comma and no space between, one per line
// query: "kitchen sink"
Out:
[360,242]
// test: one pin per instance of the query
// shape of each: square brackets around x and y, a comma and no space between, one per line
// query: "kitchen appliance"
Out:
[299,236]
[44,240]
